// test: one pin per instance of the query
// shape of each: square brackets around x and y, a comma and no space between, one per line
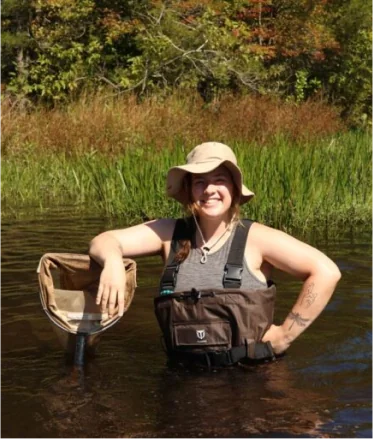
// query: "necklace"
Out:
[206,249]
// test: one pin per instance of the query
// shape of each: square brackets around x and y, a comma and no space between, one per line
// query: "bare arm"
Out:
[110,247]
[319,274]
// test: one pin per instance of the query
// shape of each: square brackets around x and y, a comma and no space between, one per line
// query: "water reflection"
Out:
[239,403]
[321,389]
[260,401]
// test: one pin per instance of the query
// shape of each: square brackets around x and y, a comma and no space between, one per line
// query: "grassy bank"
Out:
[297,184]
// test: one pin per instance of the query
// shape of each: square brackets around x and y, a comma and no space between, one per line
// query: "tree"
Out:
[349,70]
[192,47]
[54,49]
[76,44]
[16,44]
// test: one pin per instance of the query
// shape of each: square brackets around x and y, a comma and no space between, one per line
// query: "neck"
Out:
[212,228]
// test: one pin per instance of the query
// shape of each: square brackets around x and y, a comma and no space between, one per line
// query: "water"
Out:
[322,388]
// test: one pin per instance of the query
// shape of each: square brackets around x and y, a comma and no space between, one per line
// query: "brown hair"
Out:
[191,209]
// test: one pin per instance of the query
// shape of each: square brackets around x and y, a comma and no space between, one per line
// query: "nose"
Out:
[210,188]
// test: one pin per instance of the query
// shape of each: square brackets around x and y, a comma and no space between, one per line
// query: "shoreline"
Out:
[326,183]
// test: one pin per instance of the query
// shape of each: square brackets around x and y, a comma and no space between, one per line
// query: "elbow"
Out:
[93,245]
[335,276]
[326,271]
[104,245]
[96,245]
[331,273]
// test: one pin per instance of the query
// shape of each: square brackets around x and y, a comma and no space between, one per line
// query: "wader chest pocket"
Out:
[215,334]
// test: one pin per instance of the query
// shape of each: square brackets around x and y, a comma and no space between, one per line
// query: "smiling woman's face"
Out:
[212,192]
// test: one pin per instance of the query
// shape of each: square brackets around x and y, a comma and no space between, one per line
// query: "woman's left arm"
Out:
[319,274]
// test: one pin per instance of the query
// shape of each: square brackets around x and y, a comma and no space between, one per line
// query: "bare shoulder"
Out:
[163,227]
[145,239]
[271,241]
[262,235]
[287,253]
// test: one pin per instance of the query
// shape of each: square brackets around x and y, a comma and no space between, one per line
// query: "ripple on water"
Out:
[128,391]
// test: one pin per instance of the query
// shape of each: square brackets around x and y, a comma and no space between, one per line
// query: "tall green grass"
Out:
[323,184]
[327,184]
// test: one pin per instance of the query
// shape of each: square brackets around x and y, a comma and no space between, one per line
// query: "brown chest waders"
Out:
[214,327]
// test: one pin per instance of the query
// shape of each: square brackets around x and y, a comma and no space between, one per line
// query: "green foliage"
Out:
[74,45]
[54,49]
[347,74]
[323,185]
[351,84]
[57,57]
[200,54]
[16,44]
[304,86]
[301,36]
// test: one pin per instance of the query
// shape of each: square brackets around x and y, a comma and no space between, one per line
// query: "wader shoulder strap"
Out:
[183,231]
[234,266]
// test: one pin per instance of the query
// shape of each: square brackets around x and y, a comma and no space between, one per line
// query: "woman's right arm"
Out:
[110,247]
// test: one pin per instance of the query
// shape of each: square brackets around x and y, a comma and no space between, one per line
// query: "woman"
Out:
[210,188]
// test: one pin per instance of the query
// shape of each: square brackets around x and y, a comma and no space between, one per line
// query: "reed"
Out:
[298,185]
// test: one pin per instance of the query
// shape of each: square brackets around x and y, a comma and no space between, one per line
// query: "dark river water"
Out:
[321,388]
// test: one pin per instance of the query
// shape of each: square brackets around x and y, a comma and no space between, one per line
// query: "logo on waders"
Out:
[201,334]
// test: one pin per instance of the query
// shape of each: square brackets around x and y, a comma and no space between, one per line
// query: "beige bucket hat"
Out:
[205,158]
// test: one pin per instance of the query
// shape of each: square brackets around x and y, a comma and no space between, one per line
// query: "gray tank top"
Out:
[193,274]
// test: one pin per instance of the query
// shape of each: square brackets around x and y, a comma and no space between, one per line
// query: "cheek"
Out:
[196,192]
[193,196]
[228,192]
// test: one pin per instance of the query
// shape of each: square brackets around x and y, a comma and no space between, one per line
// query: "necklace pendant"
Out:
[205,252]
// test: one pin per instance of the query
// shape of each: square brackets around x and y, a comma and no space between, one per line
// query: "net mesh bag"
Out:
[68,289]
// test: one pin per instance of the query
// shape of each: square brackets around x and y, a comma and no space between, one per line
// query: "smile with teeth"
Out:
[210,201]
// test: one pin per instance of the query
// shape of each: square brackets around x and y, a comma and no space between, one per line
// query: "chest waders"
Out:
[214,327]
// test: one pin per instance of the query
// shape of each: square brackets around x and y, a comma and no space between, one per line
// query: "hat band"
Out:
[210,160]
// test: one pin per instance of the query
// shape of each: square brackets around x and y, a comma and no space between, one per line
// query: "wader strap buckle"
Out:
[168,281]
[195,294]
[232,276]
[260,351]
[264,350]
[220,359]
[233,269]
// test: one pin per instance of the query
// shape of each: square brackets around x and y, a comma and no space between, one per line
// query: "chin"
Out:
[212,213]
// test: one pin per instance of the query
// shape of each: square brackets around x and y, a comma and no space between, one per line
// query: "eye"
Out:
[198,181]
[221,180]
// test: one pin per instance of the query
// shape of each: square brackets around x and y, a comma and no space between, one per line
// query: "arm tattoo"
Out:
[297,319]
[309,296]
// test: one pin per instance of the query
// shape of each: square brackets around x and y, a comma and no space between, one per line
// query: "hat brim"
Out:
[176,176]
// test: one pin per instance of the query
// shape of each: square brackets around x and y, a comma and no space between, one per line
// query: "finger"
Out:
[105,298]
[121,302]
[99,294]
[112,300]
